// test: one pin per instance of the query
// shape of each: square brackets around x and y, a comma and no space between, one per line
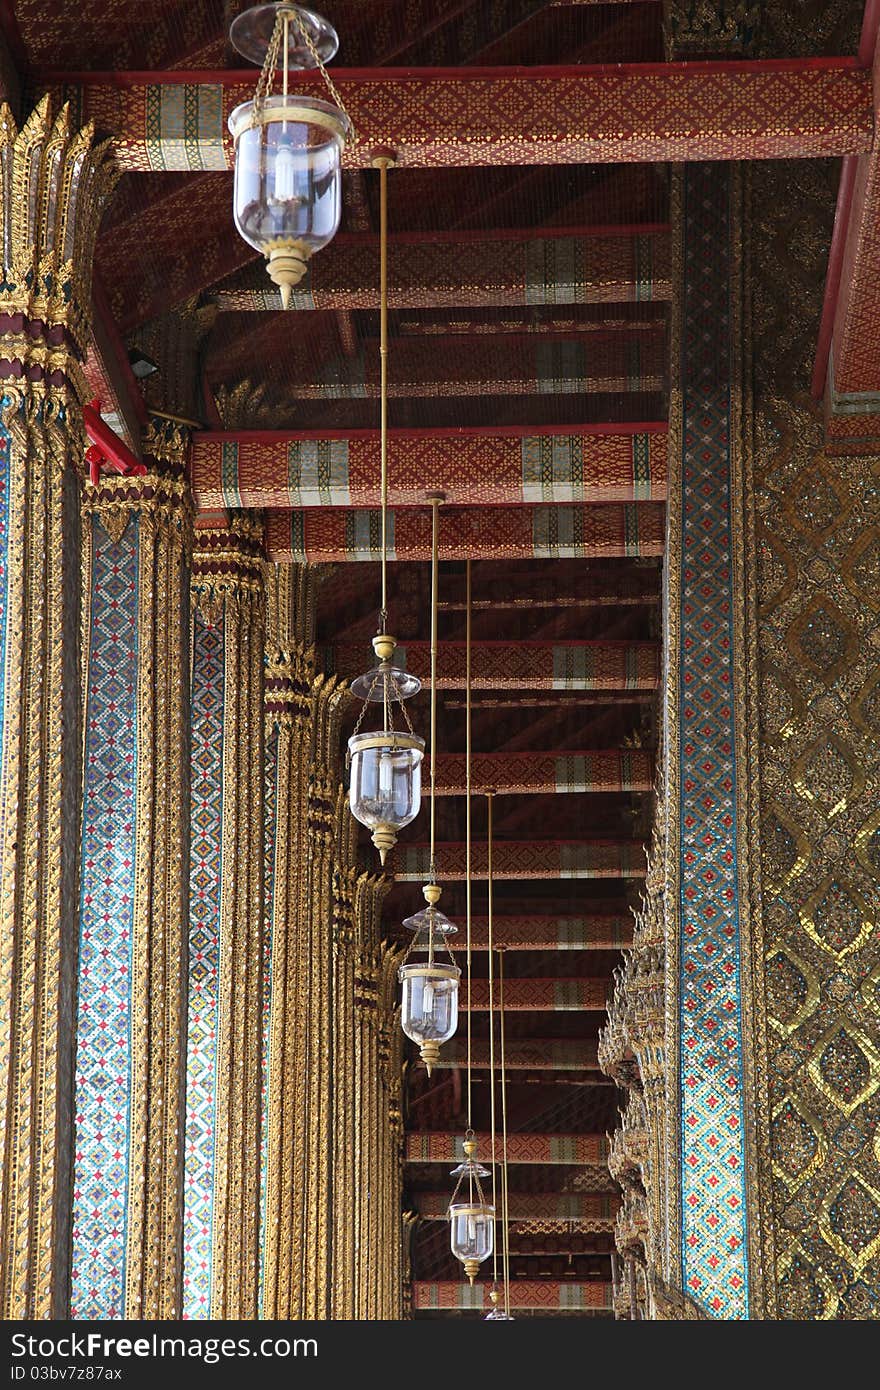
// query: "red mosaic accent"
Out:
[539,996]
[606,770]
[434,273]
[473,468]
[525,859]
[432,1147]
[612,666]
[328,534]
[437,117]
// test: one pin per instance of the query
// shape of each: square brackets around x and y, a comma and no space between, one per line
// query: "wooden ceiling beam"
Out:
[435,117]
[538,1295]
[340,468]
[538,996]
[553,933]
[422,1146]
[522,774]
[613,666]
[330,534]
[547,1206]
[570,265]
[522,859]
[567,364]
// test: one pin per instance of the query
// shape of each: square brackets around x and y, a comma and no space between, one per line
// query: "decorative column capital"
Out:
[57,182]
[228,562]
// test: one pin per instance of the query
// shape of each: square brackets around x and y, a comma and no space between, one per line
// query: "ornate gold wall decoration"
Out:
[820,779]
[55,186]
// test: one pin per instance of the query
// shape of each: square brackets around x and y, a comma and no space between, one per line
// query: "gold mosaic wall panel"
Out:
[818,524]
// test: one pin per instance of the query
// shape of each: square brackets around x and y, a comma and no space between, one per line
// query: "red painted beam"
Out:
[534,933]
[538,996]
[516,859]
[567,265]
[537,1295]
[326,534]
[433,117]
[435,1147]
[543,1206]
[500,467]
[541,774]
[611,666]
[567,364]
[846,366]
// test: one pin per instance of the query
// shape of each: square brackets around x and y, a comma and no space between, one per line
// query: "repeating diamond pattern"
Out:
[712,1138]
[206,827]
[103,1042]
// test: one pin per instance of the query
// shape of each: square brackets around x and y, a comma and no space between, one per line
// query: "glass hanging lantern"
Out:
[471,1217]
[429,1006]
[385,791]
[288,187]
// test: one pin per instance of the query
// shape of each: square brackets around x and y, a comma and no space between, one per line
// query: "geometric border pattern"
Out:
[206,868]
[714,1250]
[109,838]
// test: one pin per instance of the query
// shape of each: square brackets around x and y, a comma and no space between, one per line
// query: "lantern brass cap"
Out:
[472,1269]
[432,893]
[384,839]
[382,156]
[287,266]
[470,1147]
[494,1296]
[430,1053]
[383,645]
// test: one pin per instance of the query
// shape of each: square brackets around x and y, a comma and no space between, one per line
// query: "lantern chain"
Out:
[328,80]
[270,65]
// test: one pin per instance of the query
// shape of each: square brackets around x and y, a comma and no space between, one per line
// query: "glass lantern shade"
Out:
[386,783]
[429,1006]
[471,1234]
[288,193]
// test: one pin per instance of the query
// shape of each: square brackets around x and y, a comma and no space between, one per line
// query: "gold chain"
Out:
[270,65]
[328,80]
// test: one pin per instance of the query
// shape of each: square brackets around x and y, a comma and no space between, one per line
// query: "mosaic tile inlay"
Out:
[103,1039]
[206,856]
[714,1251]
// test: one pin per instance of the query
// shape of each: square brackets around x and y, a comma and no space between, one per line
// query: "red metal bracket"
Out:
[107,449]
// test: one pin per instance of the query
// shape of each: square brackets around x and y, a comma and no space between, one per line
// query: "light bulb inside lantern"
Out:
[285,172]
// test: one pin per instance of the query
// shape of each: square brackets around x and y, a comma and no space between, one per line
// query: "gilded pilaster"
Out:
[226,933]
[289,716]
[54,185]
[130,1123]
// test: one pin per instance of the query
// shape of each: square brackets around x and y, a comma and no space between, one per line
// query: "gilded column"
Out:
[346,1100]
[131,1019]
[55,185]
[289,714]
[391,1252]
[221,1215]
